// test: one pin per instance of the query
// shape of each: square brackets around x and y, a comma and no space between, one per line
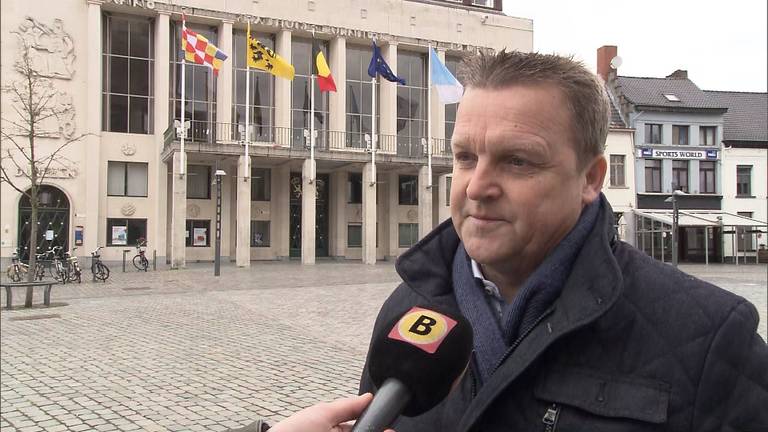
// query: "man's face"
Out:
[517,188]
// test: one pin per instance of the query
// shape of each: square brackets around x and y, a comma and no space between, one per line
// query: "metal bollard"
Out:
[154,260]
[125,251]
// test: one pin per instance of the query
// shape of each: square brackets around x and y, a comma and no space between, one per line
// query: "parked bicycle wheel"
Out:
[60,273]
[141,262]
[100,271]
[74,273]
[39,271]
[16,273]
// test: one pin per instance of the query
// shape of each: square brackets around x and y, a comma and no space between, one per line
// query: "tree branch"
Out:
[16,164]
[22,150]
[51,157]
[8,180]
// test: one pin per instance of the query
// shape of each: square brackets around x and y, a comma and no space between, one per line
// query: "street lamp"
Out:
[217,259]
[675,222]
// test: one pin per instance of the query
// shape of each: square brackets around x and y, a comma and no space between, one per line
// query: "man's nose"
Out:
[483,184]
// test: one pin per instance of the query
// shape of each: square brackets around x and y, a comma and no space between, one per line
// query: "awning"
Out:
[701,218]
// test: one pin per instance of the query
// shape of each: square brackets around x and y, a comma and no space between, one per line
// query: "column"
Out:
[308,221]
[443,200]
[92,156]
[338,226]
[382,230]
[394,211]
[161,94]
[224,81]
[283,92]
[388,97]
[178,214]
[369,215]
[242,242]
[425,203]
[280,214]
[337,101]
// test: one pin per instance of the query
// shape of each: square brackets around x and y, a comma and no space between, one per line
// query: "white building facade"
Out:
[116,69]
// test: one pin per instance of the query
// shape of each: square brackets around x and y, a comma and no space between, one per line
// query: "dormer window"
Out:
[672,98]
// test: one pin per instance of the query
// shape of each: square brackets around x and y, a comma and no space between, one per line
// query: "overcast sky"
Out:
[722,44]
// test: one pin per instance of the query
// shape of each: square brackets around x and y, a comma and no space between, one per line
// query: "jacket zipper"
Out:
[550,418]
[520,339]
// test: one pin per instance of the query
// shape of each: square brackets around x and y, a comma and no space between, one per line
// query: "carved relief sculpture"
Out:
[51,49]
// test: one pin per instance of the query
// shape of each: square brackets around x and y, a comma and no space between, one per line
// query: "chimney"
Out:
[678,74]
[605,54]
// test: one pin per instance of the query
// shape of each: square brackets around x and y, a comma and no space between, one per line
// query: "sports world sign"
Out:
[677,154]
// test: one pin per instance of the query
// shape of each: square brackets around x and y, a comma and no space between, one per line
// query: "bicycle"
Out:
[17,271]
[40,264]
[140,261]
[99,269]
[72,266]
[57,270]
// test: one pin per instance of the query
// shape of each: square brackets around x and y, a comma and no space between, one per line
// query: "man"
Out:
[573,329]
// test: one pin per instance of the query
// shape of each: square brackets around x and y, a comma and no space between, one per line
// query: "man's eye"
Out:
[516,161]
[463,157]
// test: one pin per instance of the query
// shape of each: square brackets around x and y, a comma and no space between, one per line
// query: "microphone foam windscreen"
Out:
[426,349]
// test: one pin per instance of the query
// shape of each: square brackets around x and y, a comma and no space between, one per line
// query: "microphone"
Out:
[414,363]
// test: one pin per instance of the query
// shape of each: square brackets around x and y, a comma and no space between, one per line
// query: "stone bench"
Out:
[46,285]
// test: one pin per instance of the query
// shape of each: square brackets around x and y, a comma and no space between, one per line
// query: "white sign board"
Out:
[693,154]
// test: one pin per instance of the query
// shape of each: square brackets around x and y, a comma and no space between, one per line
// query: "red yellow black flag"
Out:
[323,72]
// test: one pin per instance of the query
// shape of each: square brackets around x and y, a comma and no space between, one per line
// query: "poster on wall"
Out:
[200,237]
[119,235]
[49,235]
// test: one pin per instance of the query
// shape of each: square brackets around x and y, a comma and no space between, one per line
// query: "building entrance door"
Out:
[322,207]
[52,220]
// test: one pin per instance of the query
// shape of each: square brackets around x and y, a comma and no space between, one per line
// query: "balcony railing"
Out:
[201,132]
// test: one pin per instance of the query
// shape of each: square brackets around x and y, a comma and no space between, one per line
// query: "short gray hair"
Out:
[584,91]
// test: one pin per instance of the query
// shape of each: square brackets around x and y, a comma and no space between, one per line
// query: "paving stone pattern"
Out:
[185,351]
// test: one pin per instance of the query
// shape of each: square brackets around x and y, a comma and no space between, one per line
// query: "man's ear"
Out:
[594,176]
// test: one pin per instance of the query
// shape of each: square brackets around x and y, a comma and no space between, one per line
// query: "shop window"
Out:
[259,233]
[198,233]
[125,232]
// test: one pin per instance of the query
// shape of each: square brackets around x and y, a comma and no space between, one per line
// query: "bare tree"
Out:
[28,148]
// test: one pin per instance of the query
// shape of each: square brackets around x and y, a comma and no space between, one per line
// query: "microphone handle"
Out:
[385,407]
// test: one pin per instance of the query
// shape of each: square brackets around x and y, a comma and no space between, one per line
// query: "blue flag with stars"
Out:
[380,66]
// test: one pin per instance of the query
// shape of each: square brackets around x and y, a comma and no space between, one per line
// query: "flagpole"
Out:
[247,172]
[183,158]
[312,67]
[374,137]
[429,119]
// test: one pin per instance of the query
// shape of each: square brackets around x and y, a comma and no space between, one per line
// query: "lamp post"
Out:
[217,259]
[675,222]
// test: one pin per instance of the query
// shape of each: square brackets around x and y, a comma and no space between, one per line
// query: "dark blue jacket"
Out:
[631,344]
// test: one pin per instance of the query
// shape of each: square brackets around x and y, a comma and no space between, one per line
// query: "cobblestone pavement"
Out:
[185,351]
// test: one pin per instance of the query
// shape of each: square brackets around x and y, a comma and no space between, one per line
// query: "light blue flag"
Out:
[449,89]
